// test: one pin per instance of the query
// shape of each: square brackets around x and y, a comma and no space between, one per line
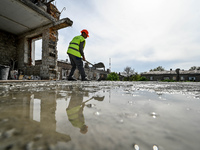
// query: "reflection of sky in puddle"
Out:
[35,108]
[102,115]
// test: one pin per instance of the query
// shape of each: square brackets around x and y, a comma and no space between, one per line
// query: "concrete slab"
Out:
[17,16]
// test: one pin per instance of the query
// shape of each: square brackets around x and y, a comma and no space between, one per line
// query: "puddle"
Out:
[99,115]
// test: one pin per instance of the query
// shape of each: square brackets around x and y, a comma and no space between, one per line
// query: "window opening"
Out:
[36,47]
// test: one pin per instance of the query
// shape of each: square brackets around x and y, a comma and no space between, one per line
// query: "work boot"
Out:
[85,79]
[71,79]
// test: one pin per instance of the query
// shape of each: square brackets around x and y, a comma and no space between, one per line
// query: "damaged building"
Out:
[93,72]
[24,22]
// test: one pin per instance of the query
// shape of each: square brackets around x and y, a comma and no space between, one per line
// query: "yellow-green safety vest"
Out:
[75,116]
[74,46]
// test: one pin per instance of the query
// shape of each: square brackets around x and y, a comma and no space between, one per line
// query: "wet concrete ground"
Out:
[62,115]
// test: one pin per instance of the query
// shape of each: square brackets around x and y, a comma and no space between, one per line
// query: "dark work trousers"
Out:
[76,62]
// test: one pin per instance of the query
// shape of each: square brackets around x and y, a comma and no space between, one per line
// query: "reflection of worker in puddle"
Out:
[75,111]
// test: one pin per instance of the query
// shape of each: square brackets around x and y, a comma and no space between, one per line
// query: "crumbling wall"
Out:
[94,74]
[64,69]
[7,49]
[53,11]
[24,56]
[33,70]
[48,68]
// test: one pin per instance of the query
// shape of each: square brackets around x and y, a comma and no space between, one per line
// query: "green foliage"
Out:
[143,79]
[113,76]
[159,68]
[194,68]
[126,79]
[128,71]
[168,80]
[135,77]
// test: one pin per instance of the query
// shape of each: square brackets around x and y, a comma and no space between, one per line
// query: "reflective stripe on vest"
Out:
[74,46]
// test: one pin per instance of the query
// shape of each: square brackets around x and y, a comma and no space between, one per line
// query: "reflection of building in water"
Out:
[31,118]
[37,111]
[35,108]
[48,108]
[41,109]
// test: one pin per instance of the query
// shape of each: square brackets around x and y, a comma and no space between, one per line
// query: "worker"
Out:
[76,55]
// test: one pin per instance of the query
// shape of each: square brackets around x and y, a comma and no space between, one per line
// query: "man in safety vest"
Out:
[76,54]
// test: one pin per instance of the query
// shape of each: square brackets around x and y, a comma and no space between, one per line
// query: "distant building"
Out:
[176,75]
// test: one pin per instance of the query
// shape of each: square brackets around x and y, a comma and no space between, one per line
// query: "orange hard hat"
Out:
[86,32]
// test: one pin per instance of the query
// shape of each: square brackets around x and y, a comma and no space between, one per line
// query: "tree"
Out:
[135,77]
[143,79]
[129,71]
[194,68]
[113,76]
[159,68]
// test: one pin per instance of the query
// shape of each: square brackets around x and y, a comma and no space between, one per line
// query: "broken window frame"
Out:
[31,49]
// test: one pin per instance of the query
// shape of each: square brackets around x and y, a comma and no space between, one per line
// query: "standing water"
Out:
[99,116]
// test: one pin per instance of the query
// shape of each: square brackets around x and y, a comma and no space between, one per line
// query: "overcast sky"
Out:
[141,34]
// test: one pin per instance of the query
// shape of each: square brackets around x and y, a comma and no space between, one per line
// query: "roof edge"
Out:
[37,9]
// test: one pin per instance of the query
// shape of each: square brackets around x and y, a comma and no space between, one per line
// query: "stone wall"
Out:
[33,70]
[48,69]
[63,69]
[8,52]
[95,74]
[20,53]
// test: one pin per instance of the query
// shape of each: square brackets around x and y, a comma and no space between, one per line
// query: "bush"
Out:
[143,79]
[127,79]
[168,80]
[113,77]
[135,77]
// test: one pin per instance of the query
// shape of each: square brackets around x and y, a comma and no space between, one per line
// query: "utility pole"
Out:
[110,64]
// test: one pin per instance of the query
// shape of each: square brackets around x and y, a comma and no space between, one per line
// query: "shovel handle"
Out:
[89,63]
